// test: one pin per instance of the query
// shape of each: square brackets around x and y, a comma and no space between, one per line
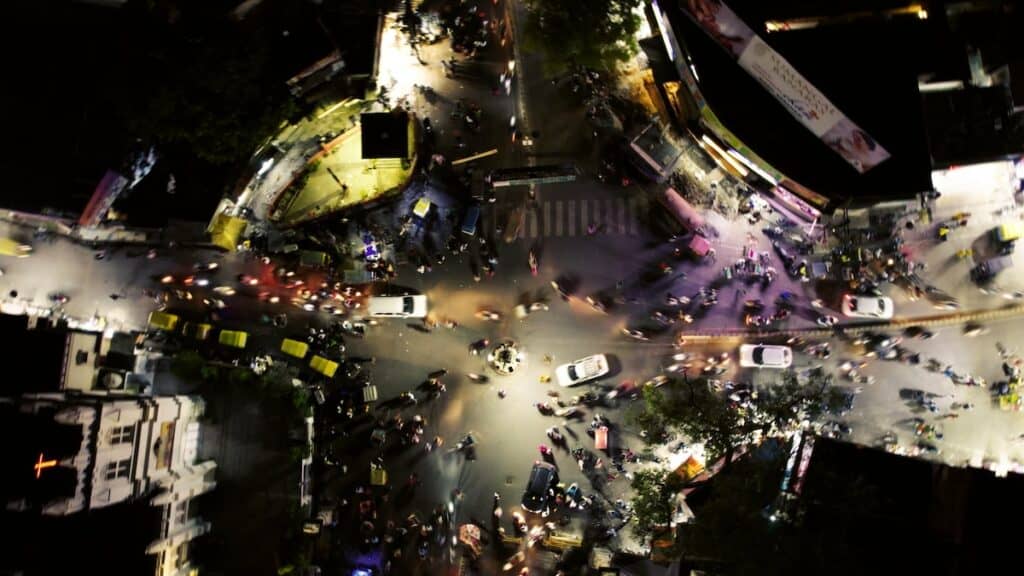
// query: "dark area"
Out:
[861,511]
[34,357]
[93,85]
[103,541]
[385,134]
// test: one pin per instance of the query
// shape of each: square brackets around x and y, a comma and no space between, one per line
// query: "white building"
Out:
[131,447]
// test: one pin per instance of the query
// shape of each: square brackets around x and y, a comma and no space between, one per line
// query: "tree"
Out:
[201,84]
[654,499]
[188,365]
[592,33]
[703,415]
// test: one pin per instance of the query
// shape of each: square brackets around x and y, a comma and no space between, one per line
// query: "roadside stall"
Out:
[699,246]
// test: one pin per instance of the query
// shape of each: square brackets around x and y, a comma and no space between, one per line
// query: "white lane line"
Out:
[571,213]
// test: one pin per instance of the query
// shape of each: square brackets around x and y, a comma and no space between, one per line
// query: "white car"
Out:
[582,370]
[867,306]
[414,306]
[765,356]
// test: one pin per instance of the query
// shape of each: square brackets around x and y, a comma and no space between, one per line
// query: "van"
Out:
[233,338]
[988,269]
[323,366]
[398,306]
[163,321]
[294,348]
[469,222]
[197,330]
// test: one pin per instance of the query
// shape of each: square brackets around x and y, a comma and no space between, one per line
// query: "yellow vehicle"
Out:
[233,338]
[1008,232]
[294,348]
[163,321]
[323,366]
[9,247]
[197,330]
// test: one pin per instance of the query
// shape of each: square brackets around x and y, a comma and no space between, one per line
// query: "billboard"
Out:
[798,96]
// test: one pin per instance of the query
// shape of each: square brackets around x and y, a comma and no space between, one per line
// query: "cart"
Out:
[369,393]
[699,246]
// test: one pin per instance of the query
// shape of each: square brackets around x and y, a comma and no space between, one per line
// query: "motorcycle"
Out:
[466,442]
[533,263]
[754,305]
[478,378]
[476,347]
[827,321]
[488,315]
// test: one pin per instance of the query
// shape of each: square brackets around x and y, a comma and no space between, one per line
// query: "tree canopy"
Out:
[692,408]
[653,500]
[200,82]
[592,33]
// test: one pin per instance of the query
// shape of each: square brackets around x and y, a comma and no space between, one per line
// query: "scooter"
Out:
[533,263]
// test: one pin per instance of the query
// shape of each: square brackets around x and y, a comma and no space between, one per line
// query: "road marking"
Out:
[558,218]
[547,218]
[621,224]
[531,225]
[634,211]
[572,217]
[584,221]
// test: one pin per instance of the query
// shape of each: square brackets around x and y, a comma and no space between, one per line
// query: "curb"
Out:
[995,314]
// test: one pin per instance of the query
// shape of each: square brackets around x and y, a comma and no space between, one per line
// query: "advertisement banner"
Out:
[792,90]
[805,102]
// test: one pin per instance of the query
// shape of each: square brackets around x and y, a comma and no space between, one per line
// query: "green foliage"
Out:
[654,499]
[188,365]
[593,33]
[703,415]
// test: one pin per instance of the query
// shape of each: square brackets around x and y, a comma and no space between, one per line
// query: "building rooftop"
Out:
[866,71]
[925,516]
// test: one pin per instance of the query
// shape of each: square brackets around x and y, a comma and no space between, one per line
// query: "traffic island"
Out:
[360,166]
[505,358]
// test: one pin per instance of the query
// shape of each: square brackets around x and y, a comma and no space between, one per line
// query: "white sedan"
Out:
[867,306]
[582,370]
[765,356]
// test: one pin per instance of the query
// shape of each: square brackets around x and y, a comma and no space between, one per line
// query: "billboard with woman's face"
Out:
[798,96]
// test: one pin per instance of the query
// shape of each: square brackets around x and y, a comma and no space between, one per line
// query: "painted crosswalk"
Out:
[569,218]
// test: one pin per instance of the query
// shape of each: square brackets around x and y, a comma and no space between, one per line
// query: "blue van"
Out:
[469,222]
